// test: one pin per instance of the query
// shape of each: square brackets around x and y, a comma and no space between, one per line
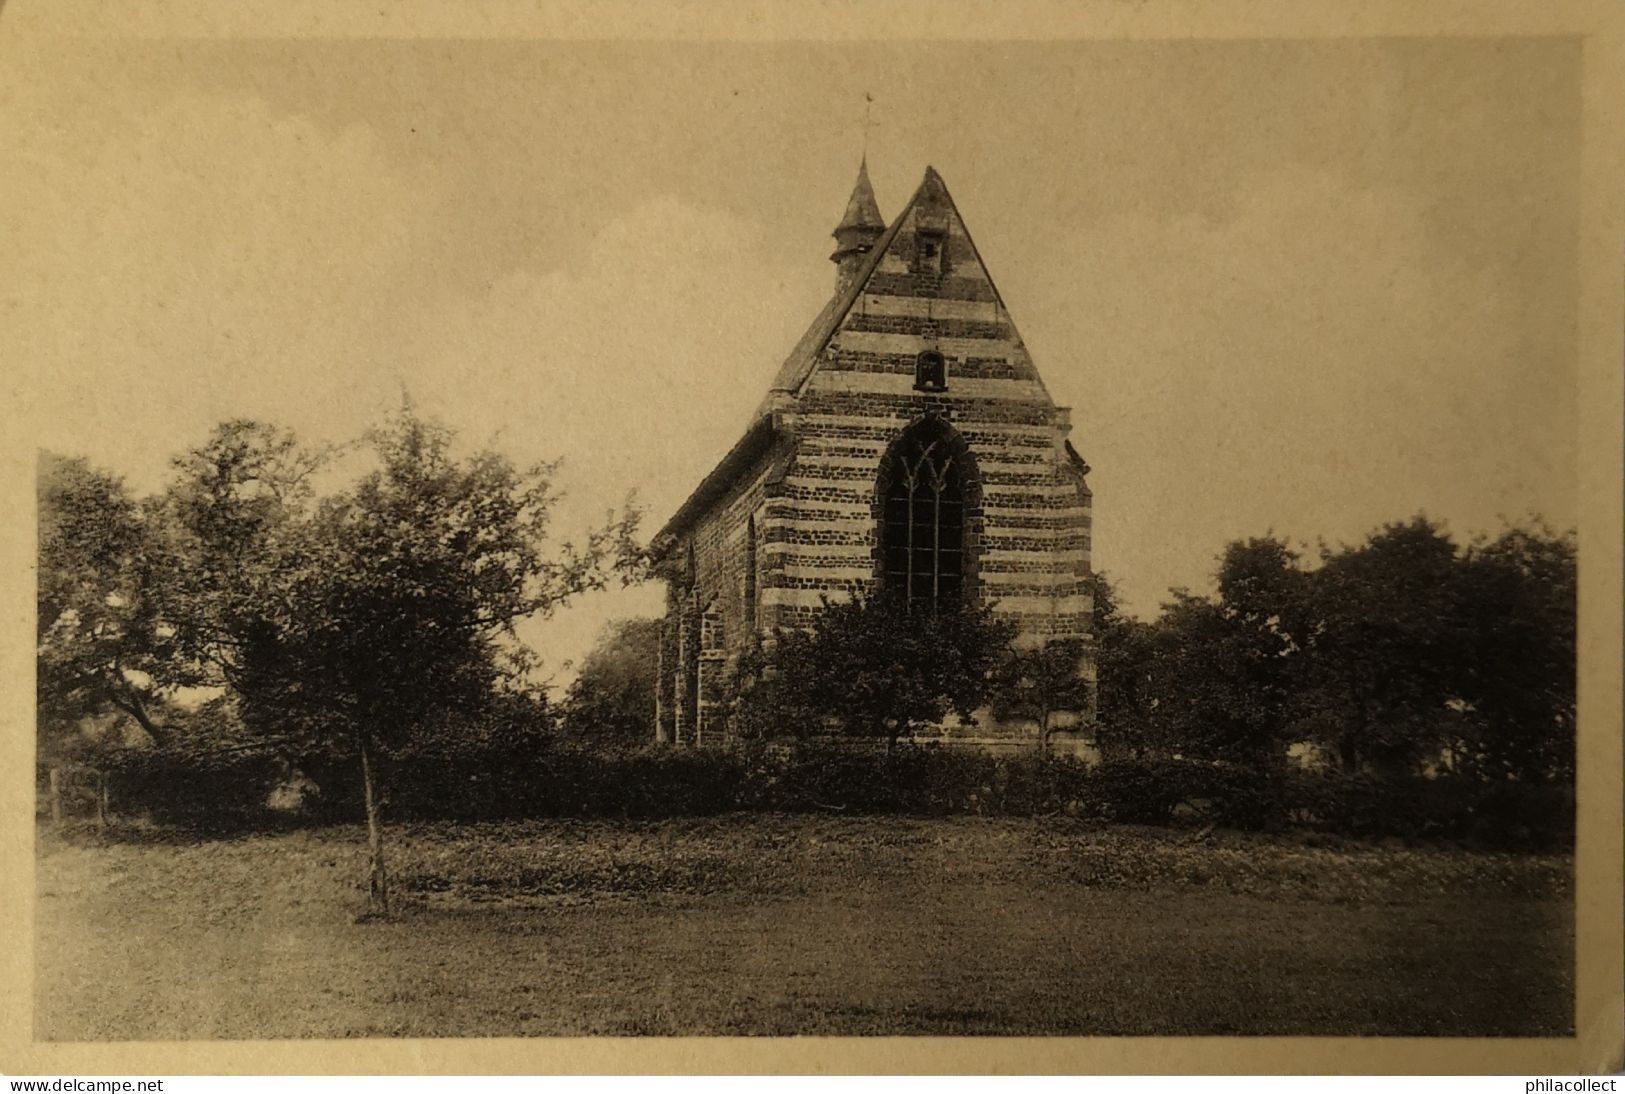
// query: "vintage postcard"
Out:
[718,538]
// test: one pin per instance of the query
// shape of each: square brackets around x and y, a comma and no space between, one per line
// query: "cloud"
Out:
[212,257]
[1315,358]
[206,258]
[1313,363]
[639,360]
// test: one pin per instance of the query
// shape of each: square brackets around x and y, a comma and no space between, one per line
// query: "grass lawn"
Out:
[796,925]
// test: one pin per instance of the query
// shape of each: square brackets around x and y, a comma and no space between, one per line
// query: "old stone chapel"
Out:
[907,442]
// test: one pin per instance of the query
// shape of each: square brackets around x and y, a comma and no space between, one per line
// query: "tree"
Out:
[1124,652]
[356,622]
[611,701]
[101,642]
[1517,686]
[1387,645]
[238,521]
[1221,671]
[1037,683]
[875,667]
[514,725]
[1204,700]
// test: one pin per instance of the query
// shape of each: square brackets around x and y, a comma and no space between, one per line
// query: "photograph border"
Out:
[1600,850]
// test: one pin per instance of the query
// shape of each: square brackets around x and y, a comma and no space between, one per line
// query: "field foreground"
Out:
[796,925]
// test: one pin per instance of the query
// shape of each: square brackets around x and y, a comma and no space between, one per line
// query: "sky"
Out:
[1300,287]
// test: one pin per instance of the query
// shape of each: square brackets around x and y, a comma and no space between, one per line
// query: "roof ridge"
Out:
[798,365]
[803,359]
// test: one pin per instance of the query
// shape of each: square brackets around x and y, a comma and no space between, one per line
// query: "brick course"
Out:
[797,499]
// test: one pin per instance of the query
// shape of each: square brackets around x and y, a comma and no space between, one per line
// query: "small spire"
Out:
[860,226]
[932,203]
[862,211]
[868,121]
[933,190]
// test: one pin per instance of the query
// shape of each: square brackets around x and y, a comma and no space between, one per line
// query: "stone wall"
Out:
[807,514]
[1030,535]
[708,618]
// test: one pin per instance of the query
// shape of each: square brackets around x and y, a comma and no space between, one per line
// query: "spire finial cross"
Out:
[868,122]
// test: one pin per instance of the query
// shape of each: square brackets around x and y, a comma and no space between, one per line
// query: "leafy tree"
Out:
[1038,683]
[1387,646]
[238,521]
[1205,701]
[1222,670]
[355,623]
[514,724]
[212,726]
[1263,588]
[1516,687]
[1124,652]
[1394,652]
[101,642]
[872,667]
[611,701]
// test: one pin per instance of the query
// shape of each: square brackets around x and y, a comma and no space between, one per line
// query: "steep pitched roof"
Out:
[803,359]
[762,438]
[799,365]
[862,210]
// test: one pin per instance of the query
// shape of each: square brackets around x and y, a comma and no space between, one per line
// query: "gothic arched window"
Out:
[922,519]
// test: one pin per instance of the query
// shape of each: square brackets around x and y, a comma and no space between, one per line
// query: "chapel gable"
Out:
[907,443]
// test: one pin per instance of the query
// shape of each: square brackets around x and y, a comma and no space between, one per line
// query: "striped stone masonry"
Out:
[791,518]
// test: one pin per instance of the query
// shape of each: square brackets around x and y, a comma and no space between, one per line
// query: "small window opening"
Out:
[932,252]
[930,372]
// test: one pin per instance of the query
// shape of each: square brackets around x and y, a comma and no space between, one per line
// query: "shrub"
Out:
[1134,792]
[1151,791]
[227,792]
[1245,798]
[567,782]
[872,667]
[1531,816]
[1505,814]
[215,793]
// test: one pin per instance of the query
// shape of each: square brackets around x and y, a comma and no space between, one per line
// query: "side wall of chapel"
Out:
[712,610]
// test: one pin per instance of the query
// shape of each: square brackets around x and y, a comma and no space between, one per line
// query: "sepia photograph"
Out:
[915,537]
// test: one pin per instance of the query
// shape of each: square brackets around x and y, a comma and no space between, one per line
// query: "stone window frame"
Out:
[931,251]
[971,493]
[930,361]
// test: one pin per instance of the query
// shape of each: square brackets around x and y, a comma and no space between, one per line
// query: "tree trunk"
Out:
[1348,753]
[132,706]
[377,879]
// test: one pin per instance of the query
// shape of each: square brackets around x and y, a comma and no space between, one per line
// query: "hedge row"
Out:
[231,792]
